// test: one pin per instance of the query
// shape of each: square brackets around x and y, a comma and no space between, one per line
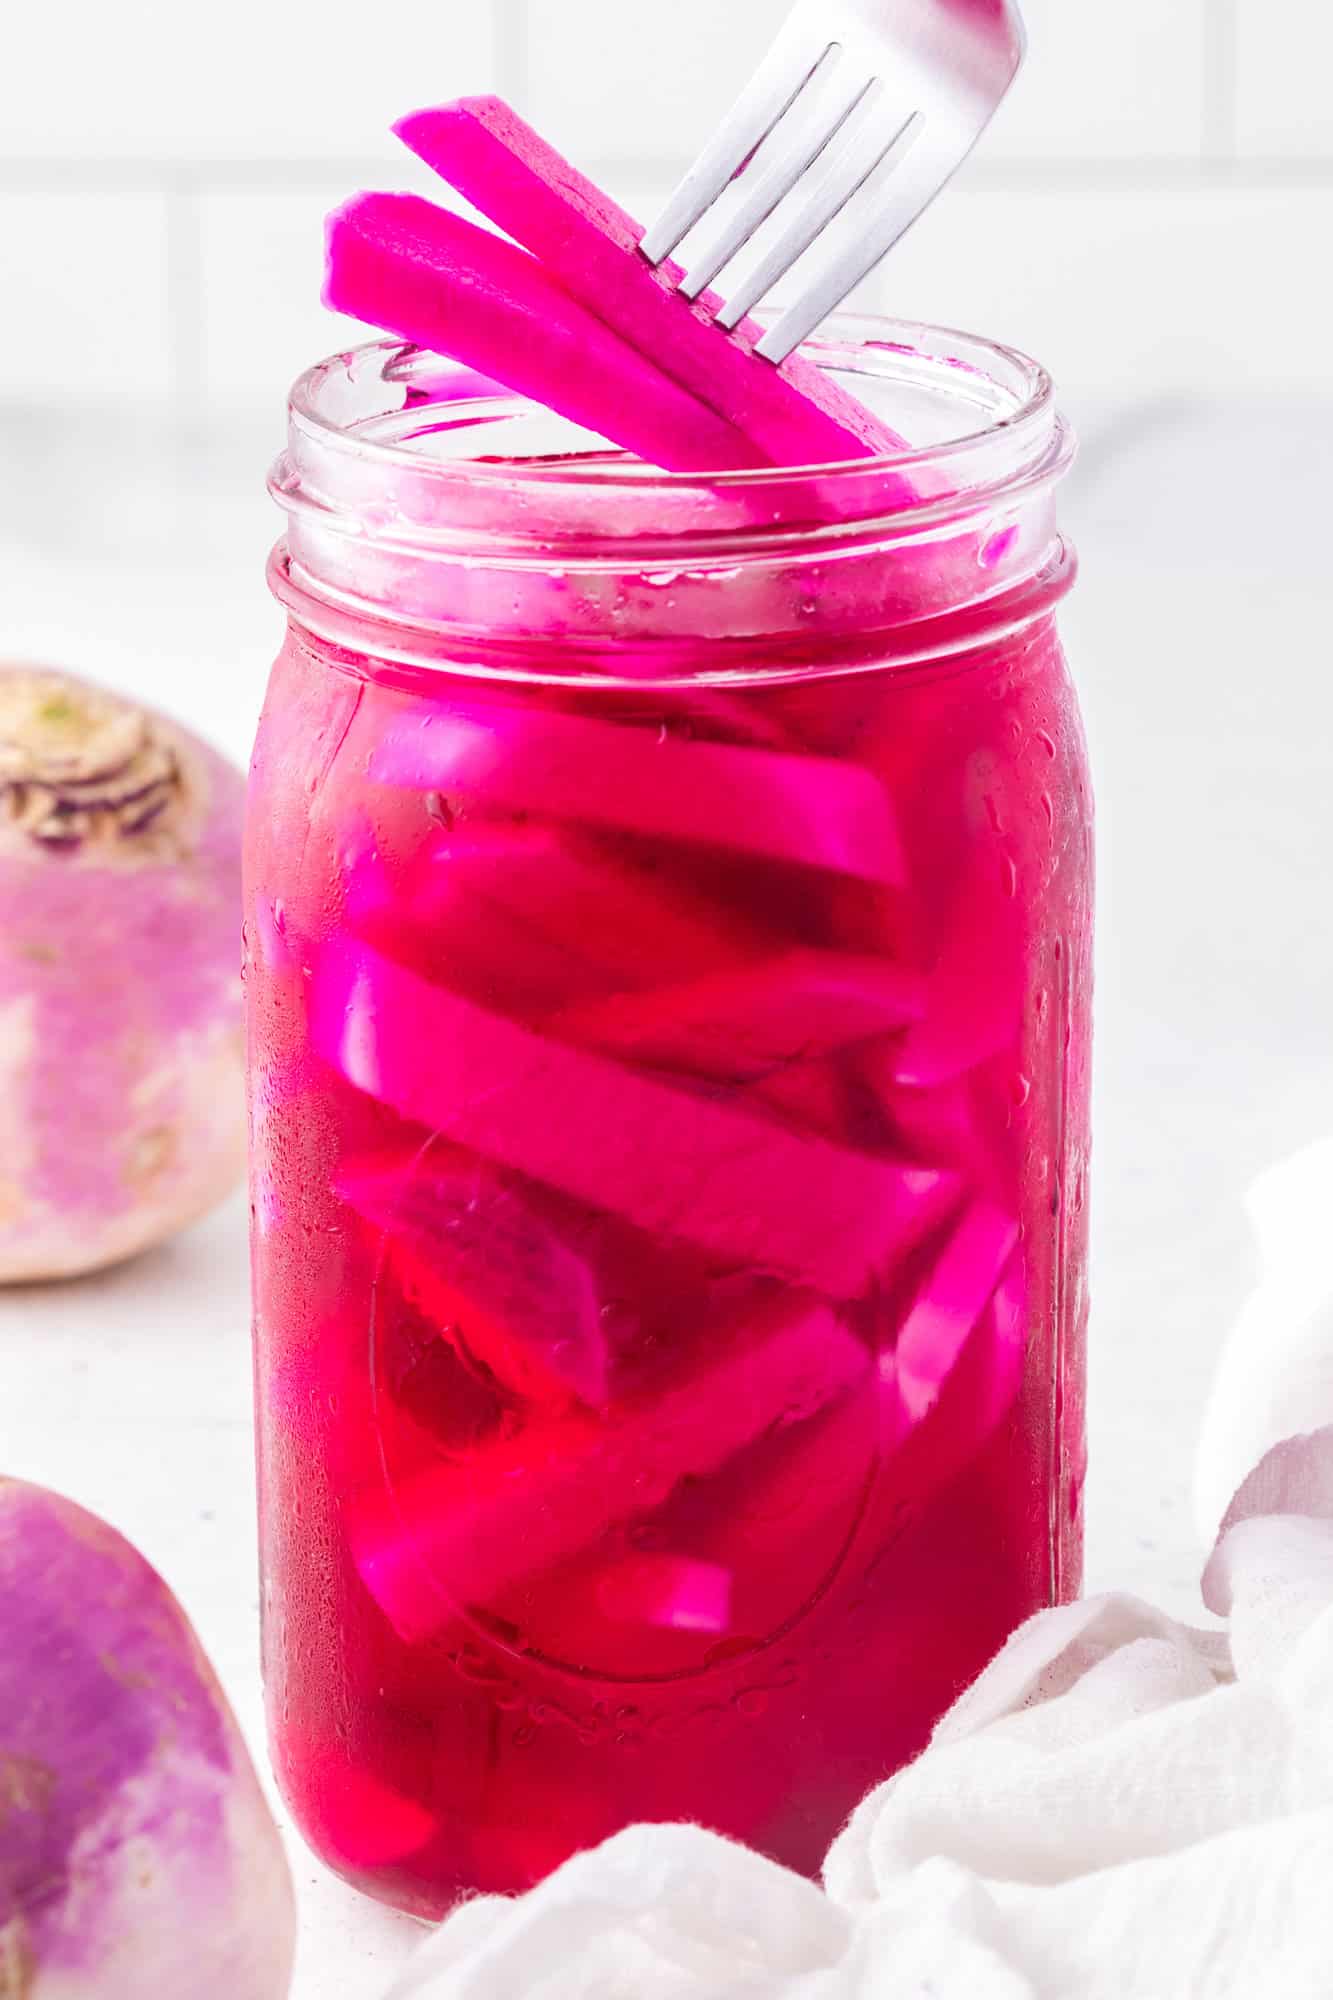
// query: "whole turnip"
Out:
[121,1104]
[138,1859]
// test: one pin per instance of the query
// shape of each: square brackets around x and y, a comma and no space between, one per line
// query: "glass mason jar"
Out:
[668,961]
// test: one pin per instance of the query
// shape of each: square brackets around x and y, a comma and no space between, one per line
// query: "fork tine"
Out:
[857,162]
[768,96]
[883,211]
[821,121]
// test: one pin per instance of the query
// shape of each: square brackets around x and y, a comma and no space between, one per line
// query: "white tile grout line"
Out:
[1035,175]
[1220,80]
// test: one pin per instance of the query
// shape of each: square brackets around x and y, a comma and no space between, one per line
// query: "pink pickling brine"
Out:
[669,941]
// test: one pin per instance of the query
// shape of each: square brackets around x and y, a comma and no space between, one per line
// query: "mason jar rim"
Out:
[455,556]
[344,454]
[1032,391]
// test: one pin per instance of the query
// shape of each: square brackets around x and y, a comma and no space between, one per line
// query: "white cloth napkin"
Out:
[1275,1378]
[1121,1808]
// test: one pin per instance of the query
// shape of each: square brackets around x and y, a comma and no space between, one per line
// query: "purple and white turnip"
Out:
[137,1855]
[121,1099]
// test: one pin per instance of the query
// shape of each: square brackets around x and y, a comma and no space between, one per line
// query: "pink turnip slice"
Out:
[738,1026]
[820,812]
[591,248]
[975,1397]
[534,917]
[362,1819]
[137,1855]
[640,1613]
[489,1272]
[680,1165]
[974,1005]
[122,1112]
[465,1531]
[948,1303]
[399,263]
[666,1590]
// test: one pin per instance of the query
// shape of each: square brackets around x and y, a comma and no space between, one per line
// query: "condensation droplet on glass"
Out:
[1047,742]
[1048,808]
[1009,875]
[439,809]
[1021,1090]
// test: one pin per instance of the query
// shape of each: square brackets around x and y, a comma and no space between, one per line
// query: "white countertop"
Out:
[1200,635]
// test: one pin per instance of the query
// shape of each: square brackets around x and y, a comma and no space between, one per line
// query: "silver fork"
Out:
[860,113]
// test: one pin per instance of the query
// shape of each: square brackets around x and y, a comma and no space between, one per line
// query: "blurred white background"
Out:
[1152,215]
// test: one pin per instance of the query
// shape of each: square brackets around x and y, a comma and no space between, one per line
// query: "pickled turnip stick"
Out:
[975,994]
[666,1590]
[794,414]
[398,262]
[537,914]
[740,1025]
[679,1165]
[811,810]
[465,1531]
[949,1302]
[492,1274]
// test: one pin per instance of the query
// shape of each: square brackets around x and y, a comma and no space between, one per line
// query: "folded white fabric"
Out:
[1121,1808]
[1275,1378]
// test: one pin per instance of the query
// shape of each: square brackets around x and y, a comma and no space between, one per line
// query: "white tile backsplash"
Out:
[261,261]
[1107,82]
[262,321]
[1284,80]
[1100,82]
[84,306]
[1168,292]
[623,79]
[1093,225]
[162,79]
